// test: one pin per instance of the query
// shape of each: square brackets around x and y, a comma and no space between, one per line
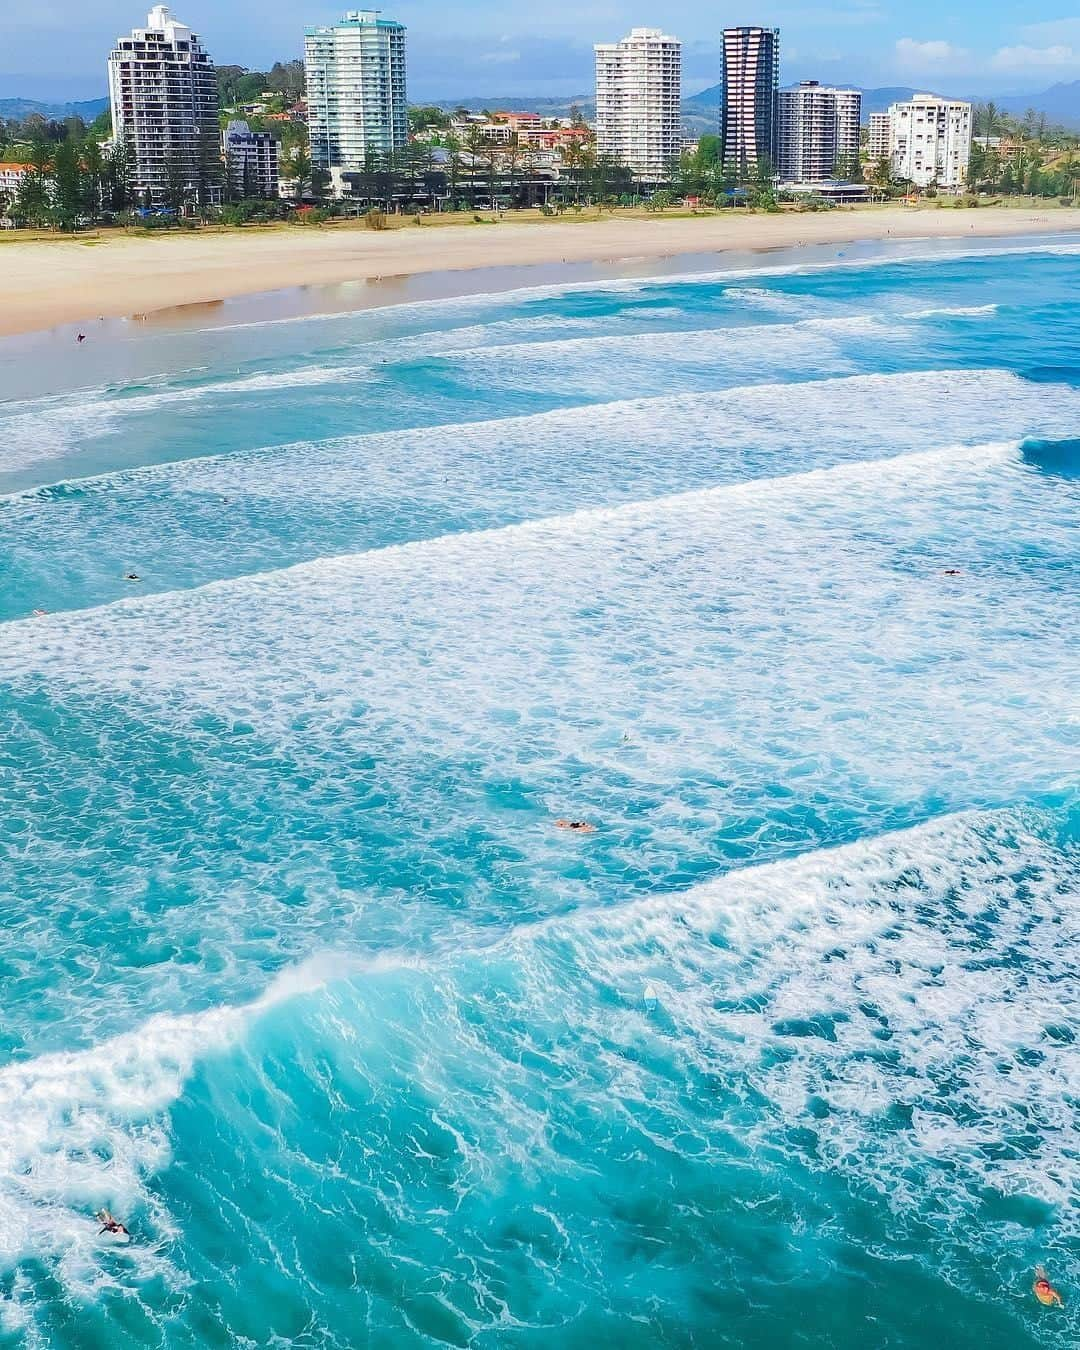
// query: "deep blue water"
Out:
[771,576]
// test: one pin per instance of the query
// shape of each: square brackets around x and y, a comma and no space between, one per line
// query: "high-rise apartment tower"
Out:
[356,92]
[639,102]
[748,111]
[817,133]
[164,96]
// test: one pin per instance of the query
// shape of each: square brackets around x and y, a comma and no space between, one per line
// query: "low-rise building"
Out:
[251,160]
[11,175]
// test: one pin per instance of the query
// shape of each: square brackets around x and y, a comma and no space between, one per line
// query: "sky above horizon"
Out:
[56,49]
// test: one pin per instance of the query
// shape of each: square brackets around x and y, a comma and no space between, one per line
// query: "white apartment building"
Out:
[879,140]
[817,133]
[748,111]
[930,141]
[639,102]
[11,175]
[251,161]
[164,96]
[356,93]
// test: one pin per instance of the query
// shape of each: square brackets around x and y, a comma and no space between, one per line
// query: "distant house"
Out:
[11,175]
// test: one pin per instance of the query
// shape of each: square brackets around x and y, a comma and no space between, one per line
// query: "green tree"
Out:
[93,171]
[116,179]
[297,166]
[67,193]
[427,117]
[175,192]
[33,198]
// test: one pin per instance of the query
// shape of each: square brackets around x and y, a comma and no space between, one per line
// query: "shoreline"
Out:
[49,284]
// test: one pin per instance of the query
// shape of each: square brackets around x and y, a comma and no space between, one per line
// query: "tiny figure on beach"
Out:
[1044,1291]
[110,1225]
[577,826]
[132,576]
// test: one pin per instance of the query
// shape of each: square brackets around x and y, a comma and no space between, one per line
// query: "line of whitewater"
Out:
[573,523]
[555,418]
[430,346]
[805,881]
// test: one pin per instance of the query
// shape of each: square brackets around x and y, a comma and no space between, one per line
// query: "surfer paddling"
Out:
[576,826]
[110,1225]
[1044,1291]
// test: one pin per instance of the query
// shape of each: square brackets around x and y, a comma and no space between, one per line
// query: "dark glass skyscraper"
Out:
[751,84]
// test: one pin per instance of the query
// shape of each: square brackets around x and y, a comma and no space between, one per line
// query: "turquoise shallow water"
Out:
[299,977]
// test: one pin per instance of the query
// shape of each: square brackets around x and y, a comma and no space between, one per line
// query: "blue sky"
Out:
[57,48]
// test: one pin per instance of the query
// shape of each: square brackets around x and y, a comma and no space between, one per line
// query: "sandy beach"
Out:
[45,283]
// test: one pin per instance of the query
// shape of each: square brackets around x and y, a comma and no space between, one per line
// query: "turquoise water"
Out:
[300,979]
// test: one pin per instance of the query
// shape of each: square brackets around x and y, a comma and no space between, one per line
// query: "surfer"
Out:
[110,1225]
[1044,1291]
[577,826]
[952,572]
[132,576]
[81,337]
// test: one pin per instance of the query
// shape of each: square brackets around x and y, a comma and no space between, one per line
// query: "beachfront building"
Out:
[164,96]
[356,93]
[748,108]
[930,141]
[251,161]
[639,102]
[879,137]
[817,133]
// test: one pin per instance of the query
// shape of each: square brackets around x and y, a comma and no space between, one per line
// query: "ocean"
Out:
[770,574]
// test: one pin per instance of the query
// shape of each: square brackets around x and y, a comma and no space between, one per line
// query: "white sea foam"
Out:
[873,1010]
[820,593]
[761,424]
[85,1130]
[954,312]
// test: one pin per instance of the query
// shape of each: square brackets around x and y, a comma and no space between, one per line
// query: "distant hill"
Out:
[1060,103]
[874,100]
[16,109]
[545,107]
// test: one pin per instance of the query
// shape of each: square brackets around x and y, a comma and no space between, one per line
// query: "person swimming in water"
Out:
[81,337]
[132,576]
[110,1225]
[578,826]
[1044,1291]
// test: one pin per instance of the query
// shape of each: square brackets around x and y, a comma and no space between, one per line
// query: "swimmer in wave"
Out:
[1044,1291]
[576,826]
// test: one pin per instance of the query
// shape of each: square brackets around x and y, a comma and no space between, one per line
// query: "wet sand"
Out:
[51,282]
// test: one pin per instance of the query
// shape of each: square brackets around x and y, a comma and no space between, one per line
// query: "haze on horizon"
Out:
[56,49]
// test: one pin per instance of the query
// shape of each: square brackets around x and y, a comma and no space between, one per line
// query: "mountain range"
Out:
[1060,103]
[15,109]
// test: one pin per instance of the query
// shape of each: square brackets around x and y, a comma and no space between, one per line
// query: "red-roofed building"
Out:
[11,175]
